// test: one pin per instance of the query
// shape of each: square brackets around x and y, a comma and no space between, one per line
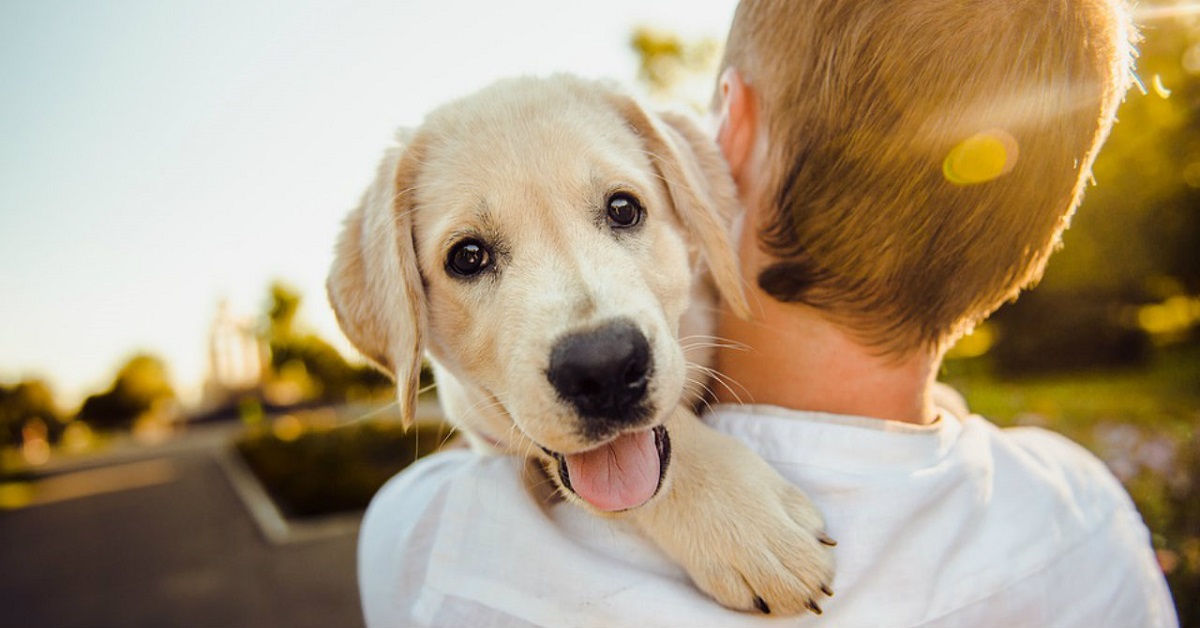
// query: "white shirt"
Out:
[955,524]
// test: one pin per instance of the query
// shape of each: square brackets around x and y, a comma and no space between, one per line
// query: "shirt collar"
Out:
[839,442]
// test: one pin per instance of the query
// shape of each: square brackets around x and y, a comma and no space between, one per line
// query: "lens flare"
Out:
[1159,88]
[980,158]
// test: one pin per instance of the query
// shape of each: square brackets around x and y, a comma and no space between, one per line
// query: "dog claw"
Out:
[825,540]
[761,605]
[812,606]
[826,590]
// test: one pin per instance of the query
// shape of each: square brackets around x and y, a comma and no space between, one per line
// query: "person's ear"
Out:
[738,124]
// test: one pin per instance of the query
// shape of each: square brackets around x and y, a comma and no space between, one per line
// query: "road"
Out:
[164,540]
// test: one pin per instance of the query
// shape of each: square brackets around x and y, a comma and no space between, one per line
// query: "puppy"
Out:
[555,249]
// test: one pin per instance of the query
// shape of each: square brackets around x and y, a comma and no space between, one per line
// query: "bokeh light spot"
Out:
[1191,59]
[1159,87]
[980,158]
[288,428]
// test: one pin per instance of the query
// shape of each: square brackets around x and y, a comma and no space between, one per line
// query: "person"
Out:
[905,168]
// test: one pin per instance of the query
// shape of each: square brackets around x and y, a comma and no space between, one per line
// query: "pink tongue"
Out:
[619,475]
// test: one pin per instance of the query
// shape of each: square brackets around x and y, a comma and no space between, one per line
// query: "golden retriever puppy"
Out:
[555,249]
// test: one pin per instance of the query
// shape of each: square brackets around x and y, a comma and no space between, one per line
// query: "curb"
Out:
[271,522]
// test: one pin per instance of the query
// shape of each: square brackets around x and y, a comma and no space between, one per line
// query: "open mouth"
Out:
[621,474]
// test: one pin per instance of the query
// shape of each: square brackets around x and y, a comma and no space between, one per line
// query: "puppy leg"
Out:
[744,534]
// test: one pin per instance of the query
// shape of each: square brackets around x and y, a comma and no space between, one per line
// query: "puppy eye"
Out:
[468,258]
[624,210]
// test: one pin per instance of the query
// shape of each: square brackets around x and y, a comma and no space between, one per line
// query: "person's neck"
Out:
[789,356]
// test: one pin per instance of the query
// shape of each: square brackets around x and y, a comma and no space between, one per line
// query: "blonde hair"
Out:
[924,156]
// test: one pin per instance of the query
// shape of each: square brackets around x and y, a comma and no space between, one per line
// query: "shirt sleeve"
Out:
[397,536]
[1112,574]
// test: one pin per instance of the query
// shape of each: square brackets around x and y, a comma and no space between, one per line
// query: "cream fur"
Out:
[526,165]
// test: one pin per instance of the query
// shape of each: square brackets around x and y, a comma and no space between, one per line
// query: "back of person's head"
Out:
[923,157]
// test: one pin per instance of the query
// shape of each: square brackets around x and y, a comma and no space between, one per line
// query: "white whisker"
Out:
[725,381]
[696,340]
[450,433]
[368,415]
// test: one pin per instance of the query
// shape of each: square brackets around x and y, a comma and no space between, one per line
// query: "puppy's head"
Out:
[540,240]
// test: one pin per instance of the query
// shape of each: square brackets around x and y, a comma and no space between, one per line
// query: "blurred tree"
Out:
[1136,231]
[305,367]
[283,303]
[141,387]
[673,69]
[25,403]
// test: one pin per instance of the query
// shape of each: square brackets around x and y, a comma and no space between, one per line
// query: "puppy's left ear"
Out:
[701,189]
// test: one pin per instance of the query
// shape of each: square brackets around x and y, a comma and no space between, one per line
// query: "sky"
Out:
[158,157]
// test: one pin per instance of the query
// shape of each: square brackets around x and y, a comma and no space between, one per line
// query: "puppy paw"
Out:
[744,535]
[774,557]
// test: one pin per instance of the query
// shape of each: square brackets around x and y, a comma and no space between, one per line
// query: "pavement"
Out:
[169,536]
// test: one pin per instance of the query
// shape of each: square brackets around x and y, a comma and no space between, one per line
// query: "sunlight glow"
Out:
[1146,14]
[975,343]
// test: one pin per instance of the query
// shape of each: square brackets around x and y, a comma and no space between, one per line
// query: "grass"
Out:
[1164,394]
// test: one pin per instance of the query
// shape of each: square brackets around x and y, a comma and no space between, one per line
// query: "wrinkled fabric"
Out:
[954,524]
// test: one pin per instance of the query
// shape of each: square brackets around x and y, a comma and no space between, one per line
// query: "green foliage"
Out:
[1136,230]
[282,305]
[313,469]
[141,386]
[1181,552]
[1053,331]
[672,68]
[1159,394]
[26,403]
[309,363]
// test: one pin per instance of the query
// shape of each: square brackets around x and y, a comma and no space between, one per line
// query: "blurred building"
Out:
[237,354]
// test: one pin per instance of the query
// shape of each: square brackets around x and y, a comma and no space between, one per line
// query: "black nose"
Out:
[603,373]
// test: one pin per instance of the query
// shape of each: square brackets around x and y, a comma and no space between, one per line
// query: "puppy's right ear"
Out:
[701,188]
[375,286]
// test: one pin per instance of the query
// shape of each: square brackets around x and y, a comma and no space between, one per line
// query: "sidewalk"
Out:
[159,536]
